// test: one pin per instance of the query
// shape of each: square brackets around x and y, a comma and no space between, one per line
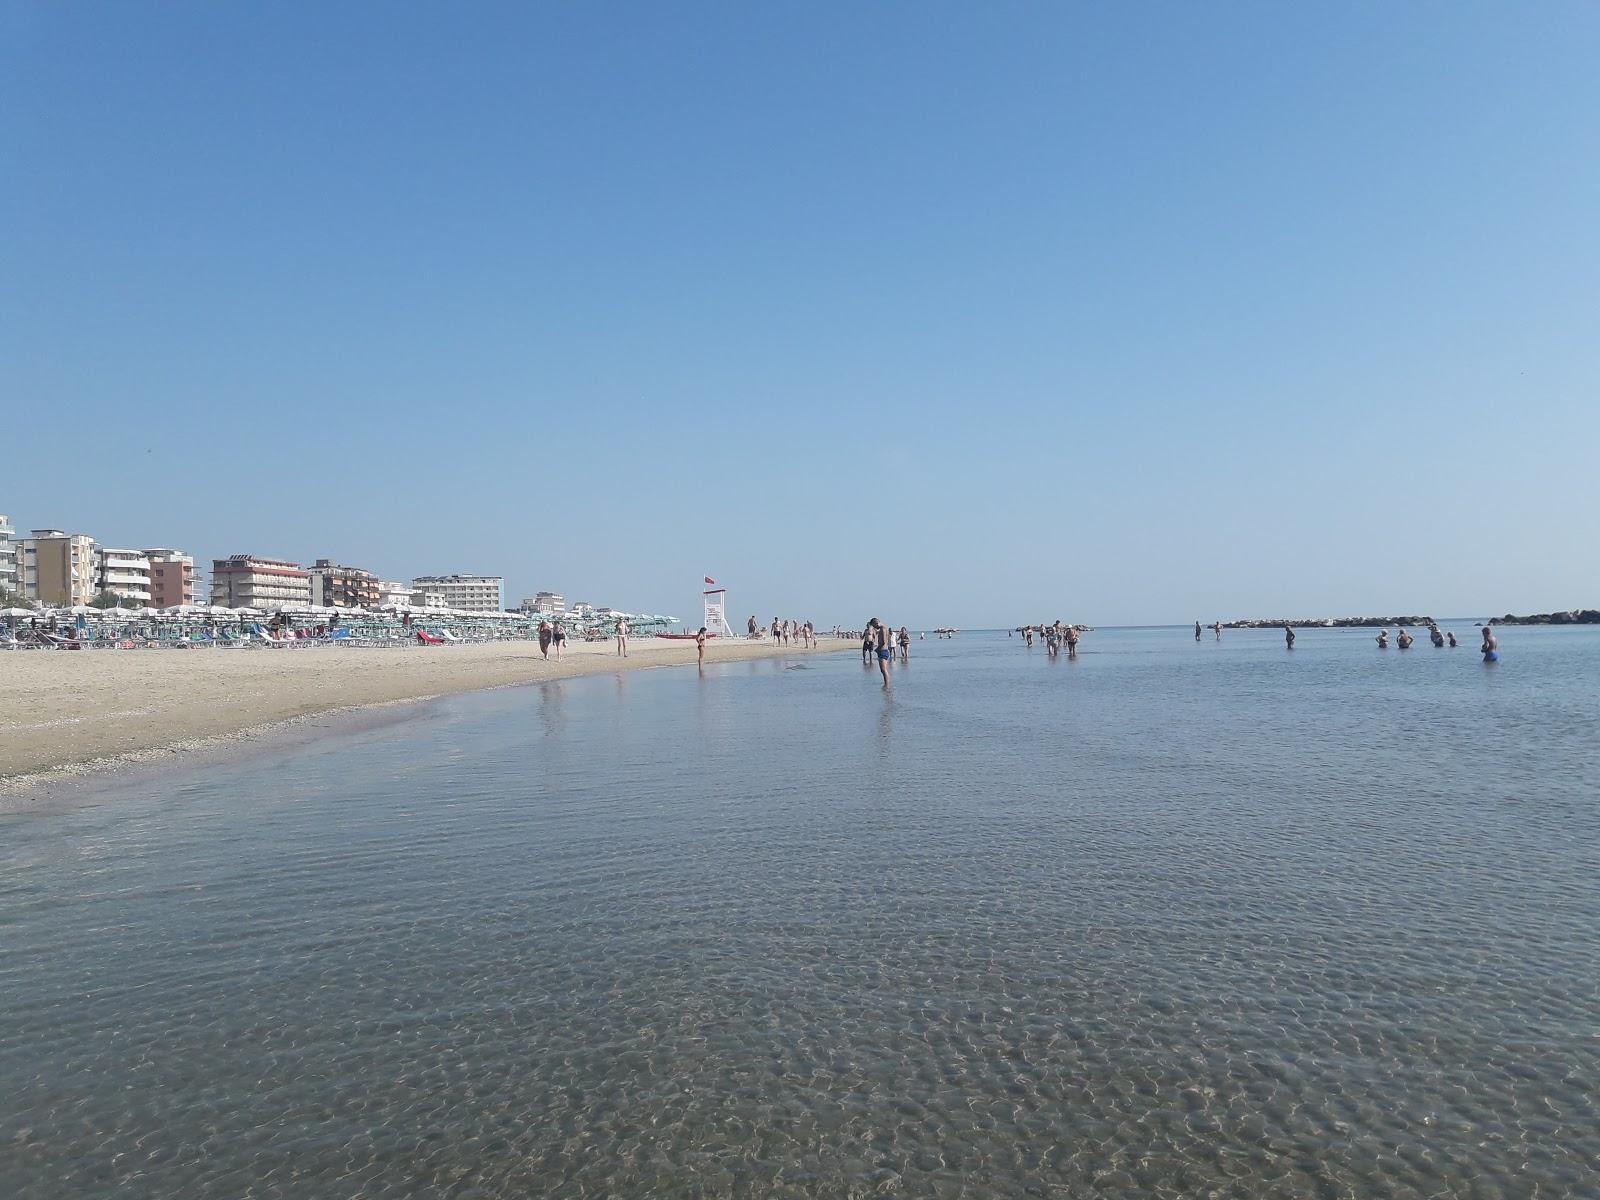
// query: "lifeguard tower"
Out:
[716,610]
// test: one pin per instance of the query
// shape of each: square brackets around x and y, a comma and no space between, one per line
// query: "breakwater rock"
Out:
[1578,616]
[1330,623]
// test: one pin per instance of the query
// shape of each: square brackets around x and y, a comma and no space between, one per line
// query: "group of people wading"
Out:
[1057,637]
[1403,639]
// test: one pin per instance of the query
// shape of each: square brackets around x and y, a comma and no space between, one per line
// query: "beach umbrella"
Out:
[18,612]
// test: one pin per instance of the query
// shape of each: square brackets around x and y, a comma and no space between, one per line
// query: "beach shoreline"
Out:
[65,715]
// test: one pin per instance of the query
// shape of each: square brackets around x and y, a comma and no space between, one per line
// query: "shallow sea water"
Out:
[1172,920]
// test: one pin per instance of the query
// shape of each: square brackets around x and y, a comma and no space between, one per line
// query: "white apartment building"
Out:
[552,604]
[124,573]
[473,593]
[8,556]
[392,591]
[56,568]
[427,600]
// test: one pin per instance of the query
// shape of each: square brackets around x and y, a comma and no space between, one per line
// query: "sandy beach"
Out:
[64,713]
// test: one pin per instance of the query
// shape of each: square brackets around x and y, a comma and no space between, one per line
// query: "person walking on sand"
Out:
[1491,646]
[879,633]
[752,625]
[622,636]
[544,638]
[1288,637]
[558,636]
[700,648]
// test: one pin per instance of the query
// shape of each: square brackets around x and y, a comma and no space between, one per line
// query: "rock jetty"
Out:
[1578,616]
[1330,623]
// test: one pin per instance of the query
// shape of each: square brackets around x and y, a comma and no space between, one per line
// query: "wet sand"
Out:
[65,713]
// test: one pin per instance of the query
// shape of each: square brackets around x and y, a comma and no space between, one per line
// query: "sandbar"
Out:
[66,713]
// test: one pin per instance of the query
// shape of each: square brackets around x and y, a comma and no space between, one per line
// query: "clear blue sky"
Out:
[1155,312]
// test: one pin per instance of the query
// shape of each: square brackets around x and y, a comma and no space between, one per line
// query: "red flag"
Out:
[711,580]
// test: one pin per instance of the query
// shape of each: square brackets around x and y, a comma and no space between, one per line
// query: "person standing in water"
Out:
[1197,631]
[905,645]
[1491,646]
[879,634]
[1452,638]
[1072,641]
[700,647]
[1216,627]
[1288,637]
[1383,639]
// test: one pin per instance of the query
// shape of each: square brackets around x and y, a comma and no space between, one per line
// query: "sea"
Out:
[1171,919]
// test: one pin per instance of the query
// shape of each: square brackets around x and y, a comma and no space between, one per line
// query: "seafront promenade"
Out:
[63,713]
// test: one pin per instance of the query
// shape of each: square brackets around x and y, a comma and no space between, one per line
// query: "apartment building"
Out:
[473,593]
[56,568]
[123,573]
[173,579]
[8,556]
[247,581]
[391,591]
[552,604]
[338,586]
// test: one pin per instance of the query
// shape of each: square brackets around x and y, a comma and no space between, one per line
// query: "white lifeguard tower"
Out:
[716,610]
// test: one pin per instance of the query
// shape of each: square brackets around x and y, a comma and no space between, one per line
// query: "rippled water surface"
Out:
[1171,920]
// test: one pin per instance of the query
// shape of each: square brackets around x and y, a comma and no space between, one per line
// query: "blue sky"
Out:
[966,314]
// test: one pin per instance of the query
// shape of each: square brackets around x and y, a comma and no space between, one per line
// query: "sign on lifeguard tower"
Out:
[716,615]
